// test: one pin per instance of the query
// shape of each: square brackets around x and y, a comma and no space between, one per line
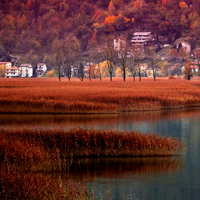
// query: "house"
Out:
[3,66]
[197,53]
[119,44]
[149,72]
[142,38]
[41,69]
[186,46]
[139,41]
[194,68]
[12,72]
[26,70]
[143,67]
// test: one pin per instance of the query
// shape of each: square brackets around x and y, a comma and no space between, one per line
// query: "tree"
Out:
[68,57]
[59,55]
[59,61]
[150,54]
[79,57]
[122,56]
[197,56]
[109,57]
[132,66]
[188,69]
[138,56]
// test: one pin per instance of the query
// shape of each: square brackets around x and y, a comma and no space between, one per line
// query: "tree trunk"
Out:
[124,75]
[139,75]
[90,75]
[110,76]
[59,74]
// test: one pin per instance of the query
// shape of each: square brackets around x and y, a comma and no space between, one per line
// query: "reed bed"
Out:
[15,185]
[27,155]
[48,149]
[47,95]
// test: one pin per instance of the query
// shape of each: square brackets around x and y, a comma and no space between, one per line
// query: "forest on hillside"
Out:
[33,29]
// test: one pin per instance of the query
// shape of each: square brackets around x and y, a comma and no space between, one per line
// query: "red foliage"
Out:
[28,4]
[94,37]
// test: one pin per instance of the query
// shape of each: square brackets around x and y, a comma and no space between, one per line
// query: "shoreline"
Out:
[99,113]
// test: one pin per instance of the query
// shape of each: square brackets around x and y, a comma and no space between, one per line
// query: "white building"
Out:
[142,37]
[41,69]
[12,72]
[119,44]
[186,46]
[26,70]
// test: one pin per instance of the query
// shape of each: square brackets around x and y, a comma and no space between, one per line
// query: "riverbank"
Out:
[47,95]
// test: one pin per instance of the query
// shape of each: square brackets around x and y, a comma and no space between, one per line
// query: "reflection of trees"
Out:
[110,168]
[71,120]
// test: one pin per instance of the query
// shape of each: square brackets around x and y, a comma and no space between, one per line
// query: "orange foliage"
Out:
[96,25]
[126,19]
[183,5]
[110,20]
[137,4]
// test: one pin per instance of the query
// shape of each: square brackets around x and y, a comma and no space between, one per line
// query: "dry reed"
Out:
[25,153]
[42,95]
[28,147]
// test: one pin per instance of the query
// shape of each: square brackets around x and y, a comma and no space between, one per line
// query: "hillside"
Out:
[33,29]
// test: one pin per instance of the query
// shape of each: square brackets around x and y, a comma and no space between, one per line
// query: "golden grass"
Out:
[47,95]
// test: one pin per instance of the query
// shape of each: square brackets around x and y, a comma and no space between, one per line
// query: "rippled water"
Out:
[132,178]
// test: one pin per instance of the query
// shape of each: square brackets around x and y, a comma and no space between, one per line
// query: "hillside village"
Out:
[134,49]
[71,37]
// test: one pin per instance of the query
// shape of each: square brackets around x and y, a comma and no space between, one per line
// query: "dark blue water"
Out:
[129,178]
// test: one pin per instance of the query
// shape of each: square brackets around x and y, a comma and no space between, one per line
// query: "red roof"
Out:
[4,63]
[25,65]
[39,64]
[12,68]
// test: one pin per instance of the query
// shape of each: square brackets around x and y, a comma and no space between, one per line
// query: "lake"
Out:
[132,178]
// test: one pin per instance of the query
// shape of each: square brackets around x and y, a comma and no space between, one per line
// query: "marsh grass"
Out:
[50,148]
[27,156]
[48,96]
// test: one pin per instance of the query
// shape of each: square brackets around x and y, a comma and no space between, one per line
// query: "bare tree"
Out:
[132,67]
[122,56]
[109,56]
[59,55]
[59,61]
[188,69]
[69,57]
[150,54]
[79,58]
[138,56]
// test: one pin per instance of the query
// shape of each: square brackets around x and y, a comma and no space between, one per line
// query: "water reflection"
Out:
[138,178]
[92,169]
[117,121]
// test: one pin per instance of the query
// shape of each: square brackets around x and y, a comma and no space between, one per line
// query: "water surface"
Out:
[132,178]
